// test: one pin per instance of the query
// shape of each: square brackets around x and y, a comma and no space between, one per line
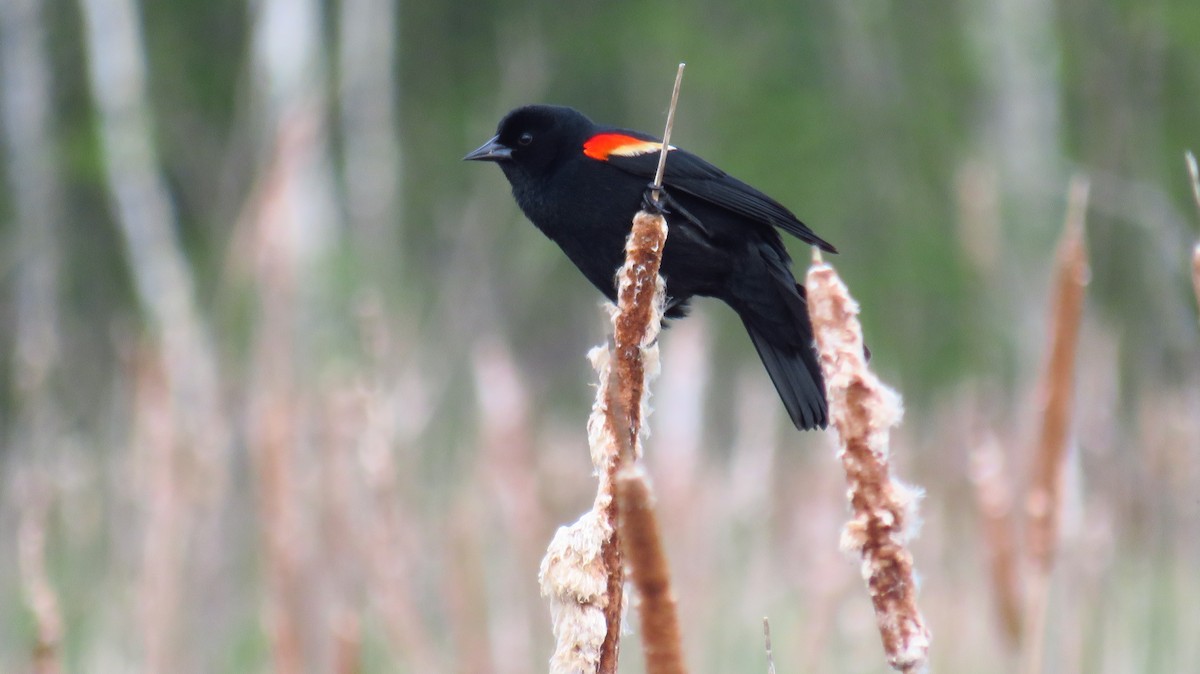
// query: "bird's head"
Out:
[532,139]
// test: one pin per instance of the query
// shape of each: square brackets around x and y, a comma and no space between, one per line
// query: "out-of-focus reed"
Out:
[1056,396]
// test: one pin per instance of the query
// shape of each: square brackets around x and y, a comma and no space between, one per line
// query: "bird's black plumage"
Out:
[581,183]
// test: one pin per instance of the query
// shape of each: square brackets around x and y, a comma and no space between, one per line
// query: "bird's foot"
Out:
[654,200]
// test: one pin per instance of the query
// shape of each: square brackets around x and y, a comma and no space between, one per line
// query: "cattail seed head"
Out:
[863,410]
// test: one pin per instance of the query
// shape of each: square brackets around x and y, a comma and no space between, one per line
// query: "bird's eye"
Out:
[526,138]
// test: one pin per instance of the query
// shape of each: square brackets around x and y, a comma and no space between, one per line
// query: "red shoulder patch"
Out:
[602,145]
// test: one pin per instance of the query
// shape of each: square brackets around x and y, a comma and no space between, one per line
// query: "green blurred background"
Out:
[288,386]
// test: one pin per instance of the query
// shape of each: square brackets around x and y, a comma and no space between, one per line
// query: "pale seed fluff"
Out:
[572,576]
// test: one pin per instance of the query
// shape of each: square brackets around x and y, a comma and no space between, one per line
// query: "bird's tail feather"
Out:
[796,375]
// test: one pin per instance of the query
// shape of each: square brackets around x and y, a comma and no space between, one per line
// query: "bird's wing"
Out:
[637,153]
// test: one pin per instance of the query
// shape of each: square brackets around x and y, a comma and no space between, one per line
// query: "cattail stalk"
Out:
[1044,499]
[641,544]
[863,410]
[641,294]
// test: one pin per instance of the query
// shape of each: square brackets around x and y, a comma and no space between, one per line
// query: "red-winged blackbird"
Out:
[581,183]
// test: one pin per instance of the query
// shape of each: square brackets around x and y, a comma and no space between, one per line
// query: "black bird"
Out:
[581,183]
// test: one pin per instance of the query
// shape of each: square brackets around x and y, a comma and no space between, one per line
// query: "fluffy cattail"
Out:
[583,571]
[863,410]
[636,325]
[575,578]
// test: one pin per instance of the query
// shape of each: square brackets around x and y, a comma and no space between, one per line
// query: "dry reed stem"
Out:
[994,499]
[1056,394]
[36,587]
[656,187]
[642,545]
[863,410]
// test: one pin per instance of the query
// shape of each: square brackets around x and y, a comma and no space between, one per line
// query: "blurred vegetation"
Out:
[858,117]
[931,142]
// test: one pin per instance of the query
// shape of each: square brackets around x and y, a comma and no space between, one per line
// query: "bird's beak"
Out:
[493,150]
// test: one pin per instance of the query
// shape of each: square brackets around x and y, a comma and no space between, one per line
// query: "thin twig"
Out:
[666,142]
